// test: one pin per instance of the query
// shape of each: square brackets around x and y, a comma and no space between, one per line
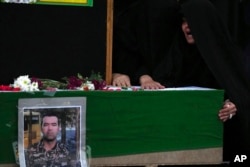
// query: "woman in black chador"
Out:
[214,61]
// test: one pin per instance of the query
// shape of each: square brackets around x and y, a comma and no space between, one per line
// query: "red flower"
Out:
[99,84]
[8,88]
[16,89]
[74,82]
[5,88]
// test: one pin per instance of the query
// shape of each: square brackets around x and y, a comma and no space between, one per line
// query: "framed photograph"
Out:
[52,132]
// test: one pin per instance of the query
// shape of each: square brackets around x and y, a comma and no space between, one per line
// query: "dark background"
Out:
[51,41]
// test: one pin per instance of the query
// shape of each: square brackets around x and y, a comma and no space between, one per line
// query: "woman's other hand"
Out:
[228,111]
[148,83]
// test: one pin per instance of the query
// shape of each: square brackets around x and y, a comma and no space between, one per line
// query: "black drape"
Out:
[51,41]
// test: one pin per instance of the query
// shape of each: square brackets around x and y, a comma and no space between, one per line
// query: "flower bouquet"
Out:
[25,83]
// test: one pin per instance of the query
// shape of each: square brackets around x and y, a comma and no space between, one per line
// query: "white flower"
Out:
[90,86]
[22,82]
[33,86]
[25,84]
[87,85]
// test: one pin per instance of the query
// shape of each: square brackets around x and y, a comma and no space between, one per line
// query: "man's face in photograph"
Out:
[50,128]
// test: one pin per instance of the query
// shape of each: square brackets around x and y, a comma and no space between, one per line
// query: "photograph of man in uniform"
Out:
[49,151]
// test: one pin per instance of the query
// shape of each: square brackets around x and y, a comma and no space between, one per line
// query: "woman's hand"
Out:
[121,80]
[148,83]
[228,111]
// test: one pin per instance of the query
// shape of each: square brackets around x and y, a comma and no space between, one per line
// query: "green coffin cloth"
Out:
[131,122]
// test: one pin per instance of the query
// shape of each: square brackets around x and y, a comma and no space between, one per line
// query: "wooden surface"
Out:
[109,39]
